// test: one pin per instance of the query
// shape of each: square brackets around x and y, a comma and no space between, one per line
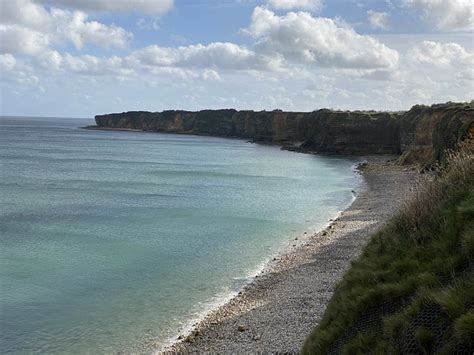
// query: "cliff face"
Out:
[421,135]
[426,132]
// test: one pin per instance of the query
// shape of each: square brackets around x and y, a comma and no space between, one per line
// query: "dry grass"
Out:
[421,264]
[434,189]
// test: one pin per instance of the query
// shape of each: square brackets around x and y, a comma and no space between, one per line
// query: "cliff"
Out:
[426,132]
[420,135]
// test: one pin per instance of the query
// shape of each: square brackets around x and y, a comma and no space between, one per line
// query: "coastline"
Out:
[97,128]
[280,306]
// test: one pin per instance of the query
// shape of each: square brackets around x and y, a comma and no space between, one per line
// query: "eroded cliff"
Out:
[420,135]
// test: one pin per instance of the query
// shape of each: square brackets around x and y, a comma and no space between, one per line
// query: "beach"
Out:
[283,303]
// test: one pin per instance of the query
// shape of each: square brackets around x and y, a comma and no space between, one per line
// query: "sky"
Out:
[79,58]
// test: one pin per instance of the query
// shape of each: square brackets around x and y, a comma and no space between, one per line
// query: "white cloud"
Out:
[378,20]
[73,26]
[148,24]
[28,28]
[214,55]
[7,62]
[17,39]
[448,15]
[316,40]
[183,62]
[312,5]
[147,7]
[17,72]
[23,13]
[440,54]
[51,60]
[211,75]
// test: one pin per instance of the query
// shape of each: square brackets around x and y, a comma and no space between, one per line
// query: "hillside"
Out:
[412,290]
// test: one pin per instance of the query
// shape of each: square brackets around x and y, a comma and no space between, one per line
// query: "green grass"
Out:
[412,290]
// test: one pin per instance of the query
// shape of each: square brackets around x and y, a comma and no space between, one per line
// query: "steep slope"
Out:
[412,290]
[421,135]
[427,131]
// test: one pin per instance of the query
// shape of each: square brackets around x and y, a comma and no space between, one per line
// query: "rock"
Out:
[427,131]
[180,337]
[257,337]
[241,328]
[421,135]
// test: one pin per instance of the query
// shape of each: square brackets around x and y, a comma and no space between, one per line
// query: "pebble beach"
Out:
[280,307]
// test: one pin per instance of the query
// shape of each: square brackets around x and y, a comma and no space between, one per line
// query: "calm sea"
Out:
[113,241]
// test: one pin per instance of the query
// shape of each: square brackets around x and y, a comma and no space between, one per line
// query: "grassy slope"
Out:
[412,290]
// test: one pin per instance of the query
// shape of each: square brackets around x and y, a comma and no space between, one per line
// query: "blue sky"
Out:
[78,58]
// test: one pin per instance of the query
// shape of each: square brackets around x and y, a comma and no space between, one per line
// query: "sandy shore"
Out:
[281,306]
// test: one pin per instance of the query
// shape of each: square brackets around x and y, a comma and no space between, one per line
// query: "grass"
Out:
[412,289]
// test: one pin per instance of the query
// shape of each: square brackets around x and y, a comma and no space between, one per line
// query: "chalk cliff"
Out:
[420,135]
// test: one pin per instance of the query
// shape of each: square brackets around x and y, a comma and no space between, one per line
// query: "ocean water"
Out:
[113,241]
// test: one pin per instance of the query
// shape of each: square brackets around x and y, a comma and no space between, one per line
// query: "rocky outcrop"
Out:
[427,132]
[421,134]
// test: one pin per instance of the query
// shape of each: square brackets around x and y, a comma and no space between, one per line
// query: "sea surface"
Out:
[114,241]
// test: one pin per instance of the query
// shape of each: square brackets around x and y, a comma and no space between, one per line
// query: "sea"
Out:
[115,241]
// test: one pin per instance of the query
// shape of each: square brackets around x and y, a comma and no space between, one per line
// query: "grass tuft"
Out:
[464,328]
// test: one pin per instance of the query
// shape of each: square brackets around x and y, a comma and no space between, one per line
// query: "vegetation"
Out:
[412,289]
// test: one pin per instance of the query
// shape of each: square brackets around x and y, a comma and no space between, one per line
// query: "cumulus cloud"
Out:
[148,7]
[75,28]
[192,61]
[318,41]
[281,44]
[440,54]
[312,5]
[222,55]
[17,39]
[14,71]
[28,28]
[448,15]
[378,20]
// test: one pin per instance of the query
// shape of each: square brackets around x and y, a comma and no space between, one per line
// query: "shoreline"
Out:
[283,302]
[298,239]
[97,128]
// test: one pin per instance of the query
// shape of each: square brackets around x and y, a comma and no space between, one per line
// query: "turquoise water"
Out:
[112,241]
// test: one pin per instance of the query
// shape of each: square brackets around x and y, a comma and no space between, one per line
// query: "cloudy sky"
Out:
[78,58]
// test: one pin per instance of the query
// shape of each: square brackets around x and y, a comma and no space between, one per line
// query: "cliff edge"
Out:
[420,135]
